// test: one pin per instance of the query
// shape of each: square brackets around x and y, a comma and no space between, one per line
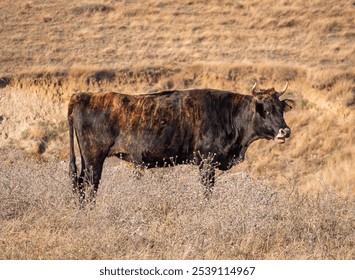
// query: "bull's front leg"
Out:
[207,178]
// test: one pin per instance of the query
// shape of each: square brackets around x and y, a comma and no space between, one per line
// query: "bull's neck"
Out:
[243,121]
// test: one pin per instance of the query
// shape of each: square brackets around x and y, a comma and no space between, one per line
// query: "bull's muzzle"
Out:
[282,135]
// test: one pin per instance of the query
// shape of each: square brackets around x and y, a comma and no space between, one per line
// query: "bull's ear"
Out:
[288,104]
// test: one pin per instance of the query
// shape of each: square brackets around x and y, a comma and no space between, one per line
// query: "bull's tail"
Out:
[72,165]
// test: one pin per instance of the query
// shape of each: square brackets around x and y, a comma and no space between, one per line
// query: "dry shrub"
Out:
[163,215]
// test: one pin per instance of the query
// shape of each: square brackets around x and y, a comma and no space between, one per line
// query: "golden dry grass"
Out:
[163,215]
[51,49]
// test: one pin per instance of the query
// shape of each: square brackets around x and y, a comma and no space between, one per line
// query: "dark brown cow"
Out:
[184,125]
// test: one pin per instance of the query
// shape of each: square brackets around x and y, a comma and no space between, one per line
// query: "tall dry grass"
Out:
[164,215]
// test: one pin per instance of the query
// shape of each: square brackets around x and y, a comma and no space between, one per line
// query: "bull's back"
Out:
[146,128]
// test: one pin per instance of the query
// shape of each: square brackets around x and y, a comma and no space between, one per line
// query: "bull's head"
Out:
[269,121]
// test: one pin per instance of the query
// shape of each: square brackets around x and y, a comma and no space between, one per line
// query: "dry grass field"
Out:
[291,201]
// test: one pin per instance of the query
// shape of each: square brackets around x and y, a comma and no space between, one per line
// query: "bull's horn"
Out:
[253,89]
[283,90]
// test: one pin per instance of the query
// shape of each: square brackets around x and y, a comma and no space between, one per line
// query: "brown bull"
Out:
[151,128]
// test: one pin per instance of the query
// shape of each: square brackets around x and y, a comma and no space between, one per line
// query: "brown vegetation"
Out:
[163,215]
[299,203]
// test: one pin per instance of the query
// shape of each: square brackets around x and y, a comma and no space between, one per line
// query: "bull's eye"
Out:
[266,113]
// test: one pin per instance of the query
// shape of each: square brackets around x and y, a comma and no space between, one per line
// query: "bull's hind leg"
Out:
[87,183]
[91,175]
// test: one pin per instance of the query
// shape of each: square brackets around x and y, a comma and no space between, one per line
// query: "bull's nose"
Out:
[285,132]
[282,134]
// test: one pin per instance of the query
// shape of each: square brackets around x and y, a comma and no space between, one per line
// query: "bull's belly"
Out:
[152,155]
[150,161]
[157,152]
